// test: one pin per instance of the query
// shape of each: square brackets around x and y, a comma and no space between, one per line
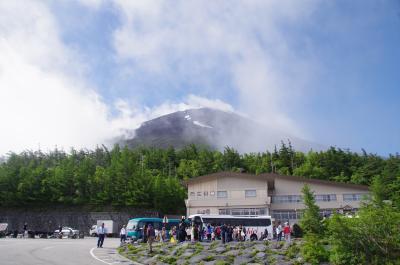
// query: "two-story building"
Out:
[267,194]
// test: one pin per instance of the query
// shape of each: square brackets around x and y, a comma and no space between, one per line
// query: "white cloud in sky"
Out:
[246,38]
[44,101]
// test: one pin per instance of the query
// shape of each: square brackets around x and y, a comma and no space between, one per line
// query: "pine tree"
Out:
[311,220]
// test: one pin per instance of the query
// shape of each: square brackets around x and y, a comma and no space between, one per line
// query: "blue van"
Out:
[134,228]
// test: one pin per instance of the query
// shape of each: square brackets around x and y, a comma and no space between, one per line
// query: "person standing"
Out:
[265,236]
[144,231]
[208,232]
[122,234]
[192,231]
[150,237]
[163,236]
[25,230]
[286,232]
[201,233]
[230,233]
[60,232]
[101,232]
[223,233]
[196,232]
[279,232]
[218,232]
[182,233]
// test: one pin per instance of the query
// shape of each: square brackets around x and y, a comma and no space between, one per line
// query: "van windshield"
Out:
[132,224]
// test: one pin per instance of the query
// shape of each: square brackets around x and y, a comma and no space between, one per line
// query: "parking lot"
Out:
[59,252]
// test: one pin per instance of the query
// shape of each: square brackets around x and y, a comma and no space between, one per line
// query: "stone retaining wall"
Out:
[48,220]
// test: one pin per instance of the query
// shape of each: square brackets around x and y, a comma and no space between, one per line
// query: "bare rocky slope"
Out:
[213,128]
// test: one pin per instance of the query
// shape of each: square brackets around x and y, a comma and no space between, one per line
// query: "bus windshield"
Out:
[132,224]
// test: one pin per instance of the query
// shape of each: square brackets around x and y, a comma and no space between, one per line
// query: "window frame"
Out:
[220,192]
[246,195]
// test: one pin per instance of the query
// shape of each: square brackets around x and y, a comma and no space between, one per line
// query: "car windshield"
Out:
[132,224]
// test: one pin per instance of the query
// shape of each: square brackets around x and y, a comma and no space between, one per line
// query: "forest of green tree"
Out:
[153,178]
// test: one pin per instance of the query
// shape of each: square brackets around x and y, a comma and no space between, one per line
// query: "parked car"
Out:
[3,229]
[67,231]
[93,230]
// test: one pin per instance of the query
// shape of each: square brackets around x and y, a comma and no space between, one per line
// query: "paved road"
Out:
[59,252]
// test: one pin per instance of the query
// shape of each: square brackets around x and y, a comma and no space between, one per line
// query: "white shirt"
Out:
[101,230]
[122,232]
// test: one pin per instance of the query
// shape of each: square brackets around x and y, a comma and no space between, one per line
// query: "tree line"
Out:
[153,178]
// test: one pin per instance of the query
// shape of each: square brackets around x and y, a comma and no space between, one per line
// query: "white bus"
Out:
[255,225]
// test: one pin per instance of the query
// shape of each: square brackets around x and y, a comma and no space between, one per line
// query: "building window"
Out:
[199,194]
[205,193]
[222,194]
[286,215]
[203,211]
[354,197]
[325,212]
[192,194]
[325,197]
[212,193]
[250,193]
[286,198]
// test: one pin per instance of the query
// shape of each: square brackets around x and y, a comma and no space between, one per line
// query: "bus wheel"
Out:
[253,237]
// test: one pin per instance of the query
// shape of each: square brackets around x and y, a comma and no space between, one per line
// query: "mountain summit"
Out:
[214,128]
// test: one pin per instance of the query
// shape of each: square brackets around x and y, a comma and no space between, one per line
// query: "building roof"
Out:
[270,177]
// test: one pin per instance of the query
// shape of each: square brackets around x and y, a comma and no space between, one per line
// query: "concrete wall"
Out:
[292,187]
[234,186]
[48,220]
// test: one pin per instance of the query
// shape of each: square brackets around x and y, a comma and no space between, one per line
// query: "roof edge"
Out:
[273,176]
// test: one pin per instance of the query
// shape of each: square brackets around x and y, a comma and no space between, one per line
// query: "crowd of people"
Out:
[284,231]
[198,233]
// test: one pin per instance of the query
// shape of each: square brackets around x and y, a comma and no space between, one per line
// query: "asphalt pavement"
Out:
[59,252]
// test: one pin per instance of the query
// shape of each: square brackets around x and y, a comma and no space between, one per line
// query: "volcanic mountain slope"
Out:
[214,128]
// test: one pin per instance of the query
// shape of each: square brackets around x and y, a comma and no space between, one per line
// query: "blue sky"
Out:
[327,71]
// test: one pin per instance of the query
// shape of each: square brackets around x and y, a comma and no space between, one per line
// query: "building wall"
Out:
[292,187]
[203,195]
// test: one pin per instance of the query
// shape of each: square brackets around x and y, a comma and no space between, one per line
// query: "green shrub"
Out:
[209,258]
[297,231]
[292,251]
[168,259]
[271,260]
[313,250]
[370,238]
[221,262]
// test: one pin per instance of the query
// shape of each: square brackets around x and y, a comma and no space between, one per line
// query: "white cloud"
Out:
[199,102]
[45,99]
[41,103]
[246,38]
[94,4]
